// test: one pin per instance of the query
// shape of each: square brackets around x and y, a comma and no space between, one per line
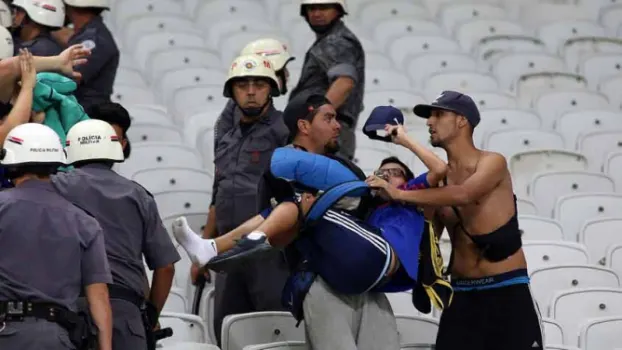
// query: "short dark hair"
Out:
[394,160]
[113,113]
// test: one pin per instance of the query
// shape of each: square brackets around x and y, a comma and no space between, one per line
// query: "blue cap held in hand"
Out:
[379,117]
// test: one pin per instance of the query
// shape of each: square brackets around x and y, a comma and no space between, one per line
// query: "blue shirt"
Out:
[402,226]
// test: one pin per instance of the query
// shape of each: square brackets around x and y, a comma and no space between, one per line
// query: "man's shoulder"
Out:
[349,164]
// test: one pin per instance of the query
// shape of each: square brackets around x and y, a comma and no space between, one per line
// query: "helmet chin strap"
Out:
[281,74]
[322,29]
[253,112]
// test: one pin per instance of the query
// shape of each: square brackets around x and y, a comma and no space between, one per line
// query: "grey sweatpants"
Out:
[348,322]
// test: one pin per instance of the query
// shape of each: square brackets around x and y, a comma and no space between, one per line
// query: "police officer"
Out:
[277,53]
[99,72]
[241,155]
[32,23]
[334,66]
[117,116]
[131,225]
[51,249]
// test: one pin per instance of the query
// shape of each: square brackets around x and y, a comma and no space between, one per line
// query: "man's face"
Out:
[394,173]
[324,129]
[444,127]
[322,14]
[251,92]
[119,131]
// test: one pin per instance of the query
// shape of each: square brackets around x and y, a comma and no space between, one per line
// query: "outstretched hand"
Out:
[73,56]
[385,190]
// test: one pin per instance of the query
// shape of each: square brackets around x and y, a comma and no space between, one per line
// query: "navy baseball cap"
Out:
[452,101]
[301,108]
[379,117]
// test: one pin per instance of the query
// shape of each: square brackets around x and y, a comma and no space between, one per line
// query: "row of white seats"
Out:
[589,318]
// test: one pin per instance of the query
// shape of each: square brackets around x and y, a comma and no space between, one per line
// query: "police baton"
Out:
[163,333]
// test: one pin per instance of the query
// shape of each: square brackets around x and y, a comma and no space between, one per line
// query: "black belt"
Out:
[18,311]
[126,294]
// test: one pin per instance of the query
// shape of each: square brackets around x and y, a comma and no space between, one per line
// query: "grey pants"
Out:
[128,331]
[348,322]
[34,334]
[347,141]
[257,286]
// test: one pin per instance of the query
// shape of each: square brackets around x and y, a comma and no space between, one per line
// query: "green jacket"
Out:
[53,94]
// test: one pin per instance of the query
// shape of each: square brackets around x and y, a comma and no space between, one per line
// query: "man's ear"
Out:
[303,126]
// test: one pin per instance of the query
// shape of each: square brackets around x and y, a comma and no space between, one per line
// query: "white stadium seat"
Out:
[573,124]
[553,332]
[546,187]
[534,228]
[546,281]
[503,118]
[511,66]
[416,329]
[460,81]
[551,105]
[186,327]
[242,330]
[613,168]
[512,141]
[598,235]
[596,145]
[411,45]
[469,34]
[541,254]
[387,30]
[174,179]
[424,66]
[555,34]
[452,15]
[601,333]
[571,307]
[573,210]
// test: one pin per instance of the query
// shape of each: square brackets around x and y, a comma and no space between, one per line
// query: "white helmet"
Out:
[32,143]
[251,66]
[6,43]
[93,139]
[273,49]
[6,19]
[341,3]
[105,4]
[49,13]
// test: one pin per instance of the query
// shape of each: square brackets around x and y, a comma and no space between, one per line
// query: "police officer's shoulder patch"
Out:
[88,44]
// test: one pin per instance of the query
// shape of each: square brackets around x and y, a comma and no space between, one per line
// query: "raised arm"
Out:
[437,169]
[491,170]
[21,111]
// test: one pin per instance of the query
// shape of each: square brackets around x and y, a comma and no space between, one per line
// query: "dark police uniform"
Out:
[132,227]
[242,154]
[42,45]
[99,72]
[51,249]
[338,53]
[5,109]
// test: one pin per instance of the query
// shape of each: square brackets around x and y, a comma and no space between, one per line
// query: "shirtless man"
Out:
[478,207]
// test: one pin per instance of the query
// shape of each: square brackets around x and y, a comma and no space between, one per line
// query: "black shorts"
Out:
[499,318]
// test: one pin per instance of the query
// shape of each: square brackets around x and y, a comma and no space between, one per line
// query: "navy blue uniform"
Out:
[99,72]
[42,45]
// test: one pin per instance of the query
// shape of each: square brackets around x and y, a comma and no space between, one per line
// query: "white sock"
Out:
[199,250]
